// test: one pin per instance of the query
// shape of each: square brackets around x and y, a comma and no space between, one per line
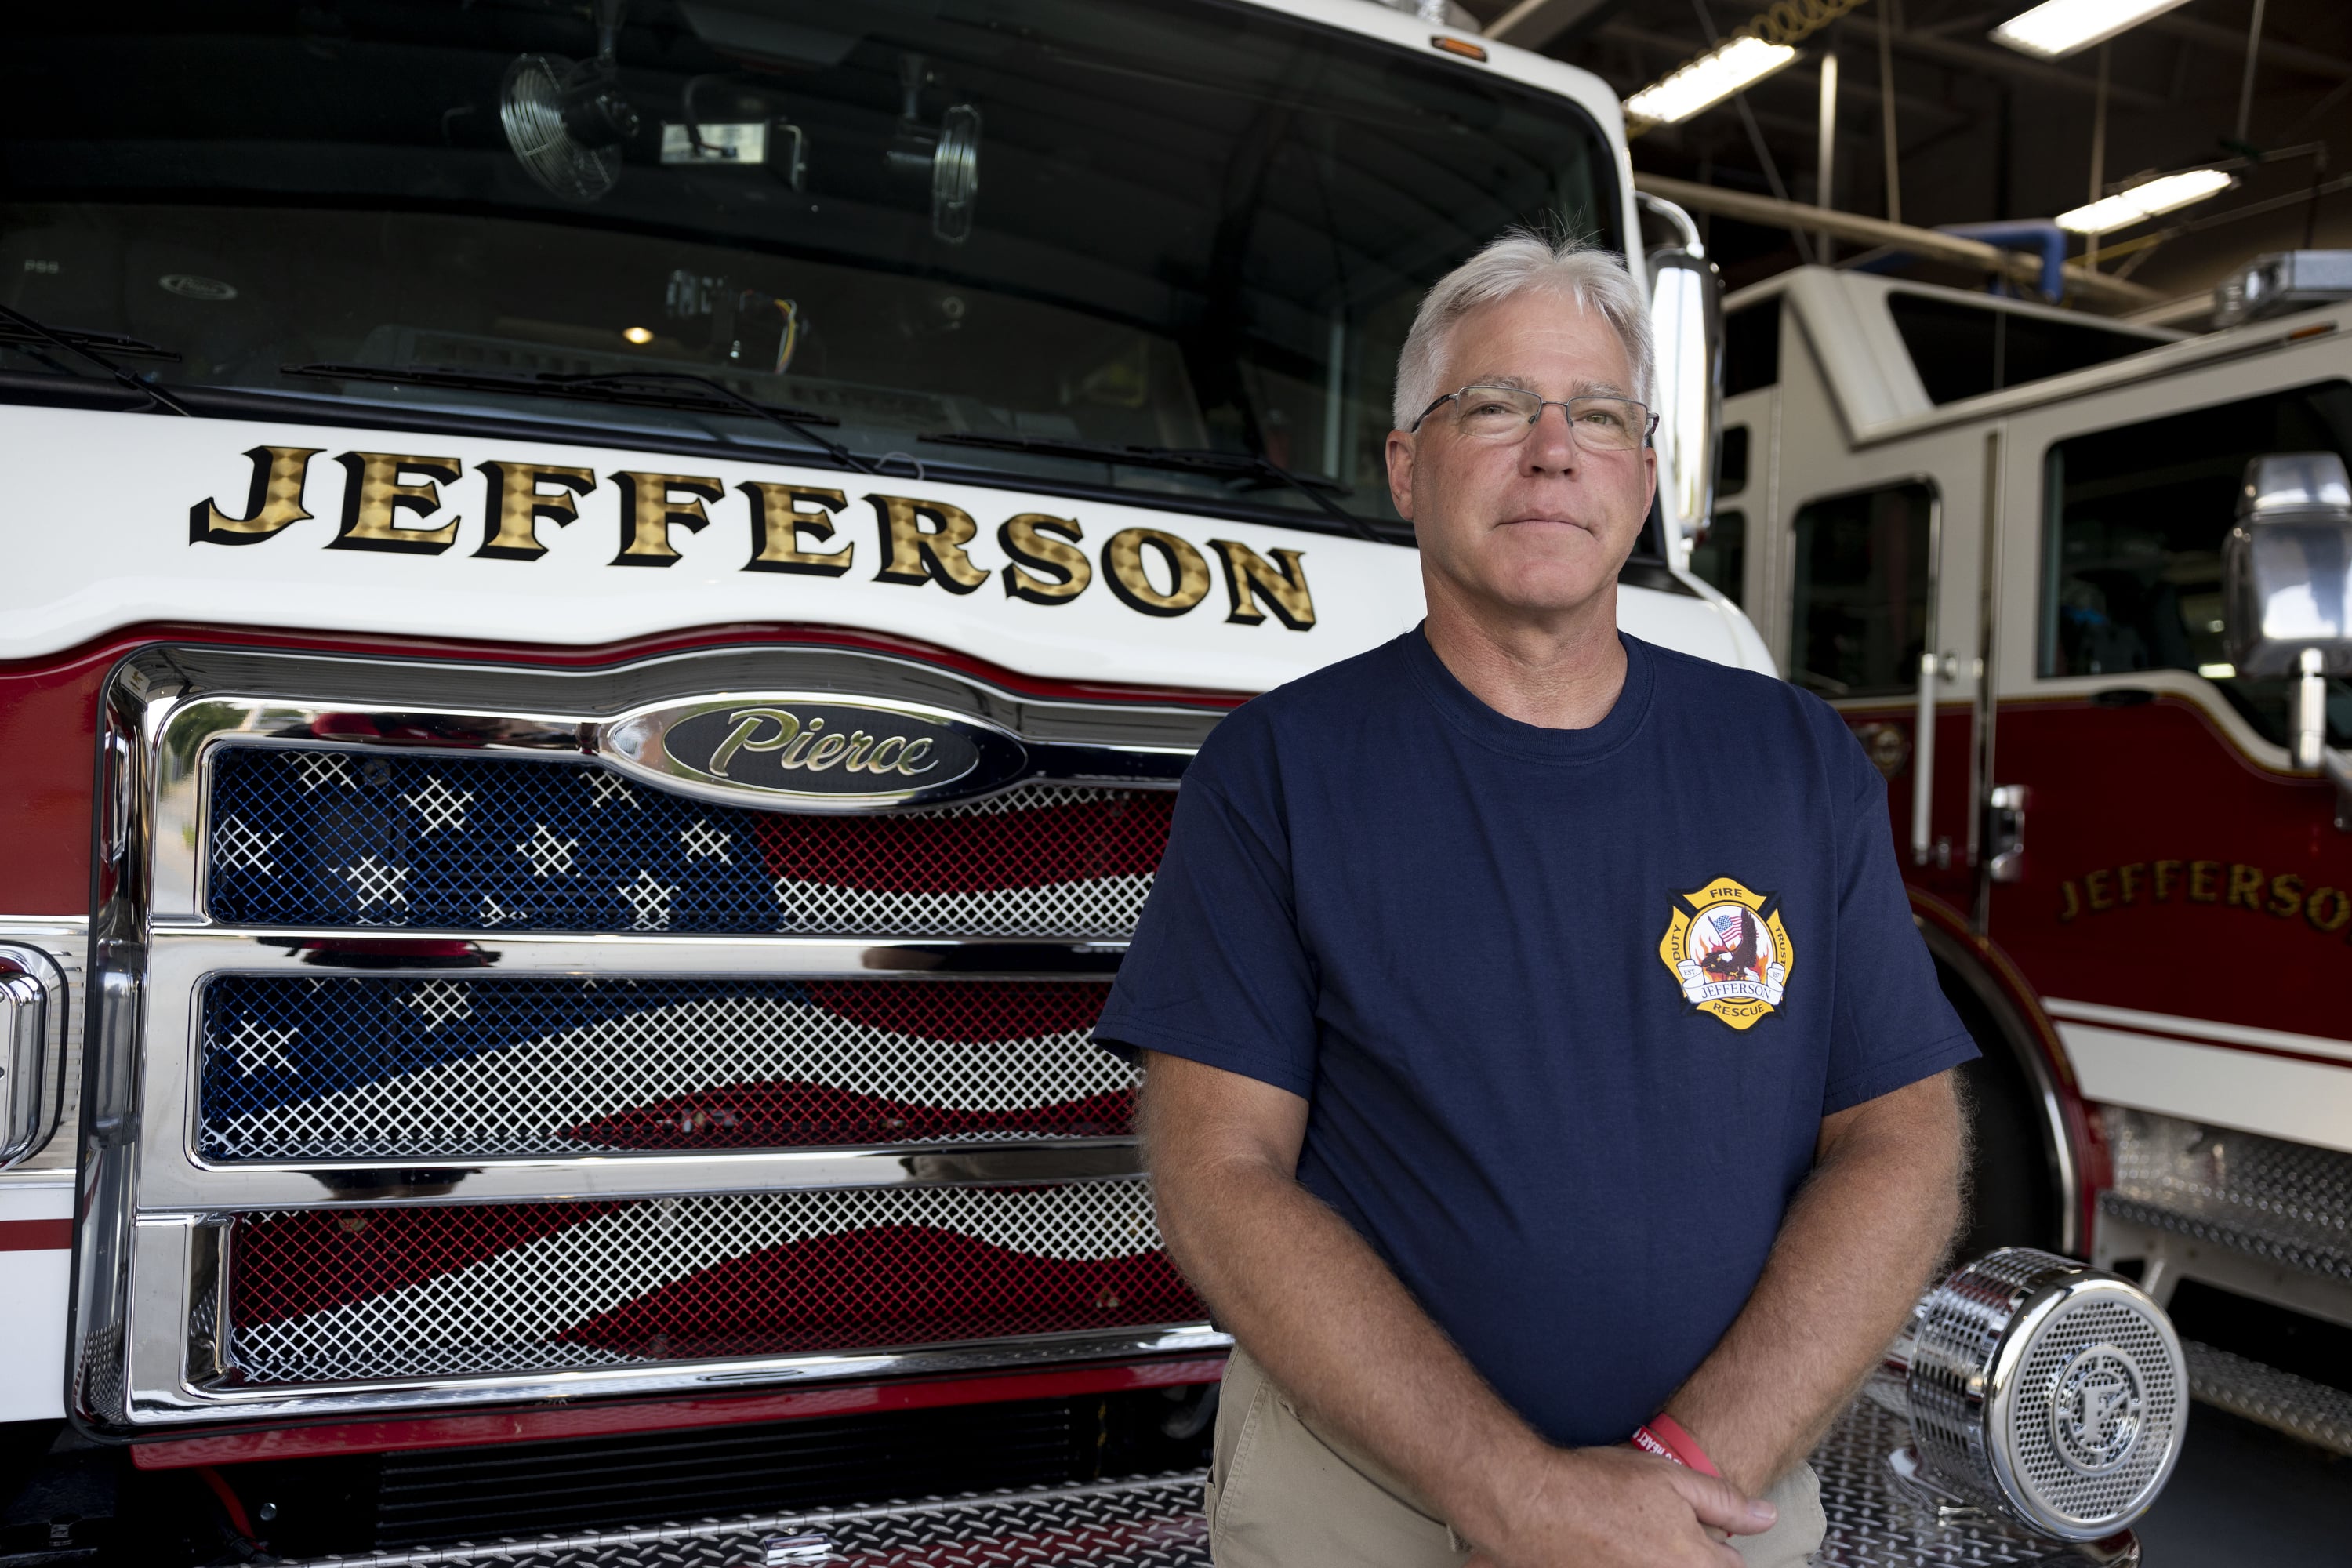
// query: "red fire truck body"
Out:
[1991,532]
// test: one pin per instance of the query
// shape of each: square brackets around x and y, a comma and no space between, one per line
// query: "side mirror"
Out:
[2286,584]
[1687,327]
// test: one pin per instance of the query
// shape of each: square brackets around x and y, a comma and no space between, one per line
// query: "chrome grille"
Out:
[331,1296]
[308,835]
[367,1067]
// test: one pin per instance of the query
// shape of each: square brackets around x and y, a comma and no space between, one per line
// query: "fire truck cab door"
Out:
[2181,900]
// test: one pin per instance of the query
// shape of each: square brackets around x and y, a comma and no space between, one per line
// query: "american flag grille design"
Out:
[384,1068]
[328,836]
[331,1296]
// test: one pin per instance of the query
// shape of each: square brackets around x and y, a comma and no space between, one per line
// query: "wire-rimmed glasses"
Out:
[1507,413]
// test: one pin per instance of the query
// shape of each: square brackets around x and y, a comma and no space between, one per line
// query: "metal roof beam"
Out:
[2081,285]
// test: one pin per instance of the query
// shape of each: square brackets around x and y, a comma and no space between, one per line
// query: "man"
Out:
[1538,1045]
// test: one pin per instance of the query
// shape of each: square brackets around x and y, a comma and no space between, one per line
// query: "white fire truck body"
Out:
[588,704]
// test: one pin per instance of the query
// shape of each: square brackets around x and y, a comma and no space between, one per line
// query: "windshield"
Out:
[1167,224]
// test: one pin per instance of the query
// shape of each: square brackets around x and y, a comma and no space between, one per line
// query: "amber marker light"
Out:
[1462,47]
[639,334]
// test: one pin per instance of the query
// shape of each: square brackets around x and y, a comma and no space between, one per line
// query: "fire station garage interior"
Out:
[610,602]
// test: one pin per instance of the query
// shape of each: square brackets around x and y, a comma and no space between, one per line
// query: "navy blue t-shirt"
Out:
[1567,1006]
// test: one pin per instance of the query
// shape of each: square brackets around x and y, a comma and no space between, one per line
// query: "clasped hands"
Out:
[1612,1508]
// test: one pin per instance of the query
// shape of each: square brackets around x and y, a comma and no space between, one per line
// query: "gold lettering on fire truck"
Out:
[1247,574]
[650,508]
[1188,574]
[915,554]
[375,494]
[781,517]
[1045,570]
[275,500]
[520,503]
[2225,884]
[794,529]
[805,747]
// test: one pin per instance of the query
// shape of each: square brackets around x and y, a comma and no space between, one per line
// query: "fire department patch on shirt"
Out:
[1729,950]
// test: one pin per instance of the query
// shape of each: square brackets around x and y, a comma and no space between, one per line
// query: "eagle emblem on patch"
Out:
[1729,950]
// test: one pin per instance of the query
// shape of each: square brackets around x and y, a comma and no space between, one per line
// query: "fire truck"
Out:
[1999,537]
[606,604]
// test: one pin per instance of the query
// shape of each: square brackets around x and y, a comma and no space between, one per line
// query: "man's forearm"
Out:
[1856,1250]
[1332,1327]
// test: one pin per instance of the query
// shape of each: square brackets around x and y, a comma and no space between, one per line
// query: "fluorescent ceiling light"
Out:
[2058,27]
[2161,195]
[1709,80]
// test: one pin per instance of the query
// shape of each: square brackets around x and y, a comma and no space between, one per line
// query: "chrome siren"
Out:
[2045,1390]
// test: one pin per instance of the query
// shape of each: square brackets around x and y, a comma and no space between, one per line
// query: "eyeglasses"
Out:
[1508,413]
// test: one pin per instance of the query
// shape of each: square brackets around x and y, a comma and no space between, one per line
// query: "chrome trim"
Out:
[32,1050]
[206,1190]
[1985,715]
[370,949]
[63,944]
[147,1240]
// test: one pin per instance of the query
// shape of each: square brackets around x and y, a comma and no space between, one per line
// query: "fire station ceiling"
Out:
[1987,133]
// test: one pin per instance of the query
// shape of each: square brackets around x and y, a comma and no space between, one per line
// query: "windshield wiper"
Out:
[635,388]
[1179,459]
[18,328]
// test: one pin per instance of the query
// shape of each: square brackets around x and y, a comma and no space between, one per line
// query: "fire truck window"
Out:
[1171,224]
[1731,462]
[1864,572]
[1751,347]
[1719,555]
[1962,348]
[2135,519]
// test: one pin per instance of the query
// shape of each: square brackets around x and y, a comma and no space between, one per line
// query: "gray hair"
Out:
[1595,280]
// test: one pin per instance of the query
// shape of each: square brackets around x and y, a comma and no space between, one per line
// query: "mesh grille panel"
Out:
[364,1068]
[331,1296]
[323,835]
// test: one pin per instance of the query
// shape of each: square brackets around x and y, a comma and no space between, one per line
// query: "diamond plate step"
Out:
[2297,1406]
[1156,1522]
[2288,1205]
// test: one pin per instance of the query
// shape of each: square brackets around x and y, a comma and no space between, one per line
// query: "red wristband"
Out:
[1669,1439]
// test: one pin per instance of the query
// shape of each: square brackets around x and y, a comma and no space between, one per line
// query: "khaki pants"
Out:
[1279,1496]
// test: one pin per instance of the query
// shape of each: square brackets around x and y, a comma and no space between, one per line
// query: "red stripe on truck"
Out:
[35,1235]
